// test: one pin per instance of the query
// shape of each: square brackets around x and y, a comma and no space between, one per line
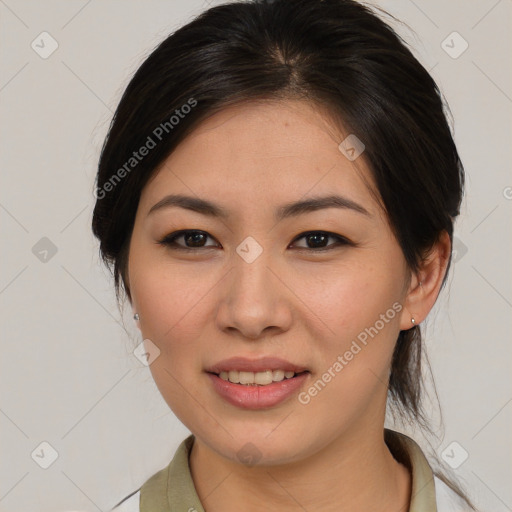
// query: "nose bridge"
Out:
[251,287]
[251,275]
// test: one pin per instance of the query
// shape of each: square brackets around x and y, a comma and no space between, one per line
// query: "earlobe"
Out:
[426,283]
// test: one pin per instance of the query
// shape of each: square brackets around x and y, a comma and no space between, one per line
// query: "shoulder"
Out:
[130,504]
[448,500]
[156,492]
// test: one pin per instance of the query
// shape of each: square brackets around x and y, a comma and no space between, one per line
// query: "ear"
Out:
[426,283]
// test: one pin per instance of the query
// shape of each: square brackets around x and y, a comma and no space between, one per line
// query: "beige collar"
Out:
[172,488]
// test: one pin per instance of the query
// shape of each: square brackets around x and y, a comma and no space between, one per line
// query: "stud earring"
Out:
[136,317]
[413,321]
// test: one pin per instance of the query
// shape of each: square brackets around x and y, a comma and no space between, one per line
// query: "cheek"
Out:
[171,300]
[360,308]
[172,307]
[167,294]
[361,311]
[350,300]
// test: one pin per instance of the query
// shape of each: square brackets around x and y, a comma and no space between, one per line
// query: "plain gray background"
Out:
[68,374]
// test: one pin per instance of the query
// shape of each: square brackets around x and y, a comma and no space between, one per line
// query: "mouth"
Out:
[257,383]
[252,393]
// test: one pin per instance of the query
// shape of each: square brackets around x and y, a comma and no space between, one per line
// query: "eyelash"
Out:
[170,241]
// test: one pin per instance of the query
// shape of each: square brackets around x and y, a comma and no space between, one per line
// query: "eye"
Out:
[193,238]
[317,241]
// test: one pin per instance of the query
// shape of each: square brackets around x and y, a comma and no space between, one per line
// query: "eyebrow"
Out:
[285,211]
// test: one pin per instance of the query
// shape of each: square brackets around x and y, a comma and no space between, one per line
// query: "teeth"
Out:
[256,378]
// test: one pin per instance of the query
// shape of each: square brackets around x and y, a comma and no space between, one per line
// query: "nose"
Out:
[254,301]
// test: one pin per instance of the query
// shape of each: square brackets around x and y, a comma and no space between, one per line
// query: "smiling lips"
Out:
[256,384]
[263,371]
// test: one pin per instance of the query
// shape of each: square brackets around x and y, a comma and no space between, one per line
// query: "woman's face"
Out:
[252,283]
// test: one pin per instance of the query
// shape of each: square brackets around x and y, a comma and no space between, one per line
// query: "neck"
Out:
[354,472]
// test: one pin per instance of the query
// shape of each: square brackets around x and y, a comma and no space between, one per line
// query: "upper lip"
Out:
[255,365]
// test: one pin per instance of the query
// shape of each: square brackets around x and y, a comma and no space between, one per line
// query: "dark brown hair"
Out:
[337,54]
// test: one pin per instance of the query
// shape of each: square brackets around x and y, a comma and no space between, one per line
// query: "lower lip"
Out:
[257,397]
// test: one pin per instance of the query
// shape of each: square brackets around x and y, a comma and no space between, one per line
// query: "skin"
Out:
[203,306]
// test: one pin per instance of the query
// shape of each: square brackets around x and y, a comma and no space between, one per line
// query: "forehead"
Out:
[260,150]
[268,129]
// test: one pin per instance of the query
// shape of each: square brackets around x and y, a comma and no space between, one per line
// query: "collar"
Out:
[172,488]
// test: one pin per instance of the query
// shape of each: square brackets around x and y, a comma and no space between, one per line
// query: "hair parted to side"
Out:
[335,54]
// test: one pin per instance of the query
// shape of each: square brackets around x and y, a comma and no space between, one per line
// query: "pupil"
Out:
[318,237]
[194,239]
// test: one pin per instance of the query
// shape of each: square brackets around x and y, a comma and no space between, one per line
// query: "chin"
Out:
[257,447]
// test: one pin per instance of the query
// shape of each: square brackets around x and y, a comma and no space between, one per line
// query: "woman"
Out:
[276,197]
